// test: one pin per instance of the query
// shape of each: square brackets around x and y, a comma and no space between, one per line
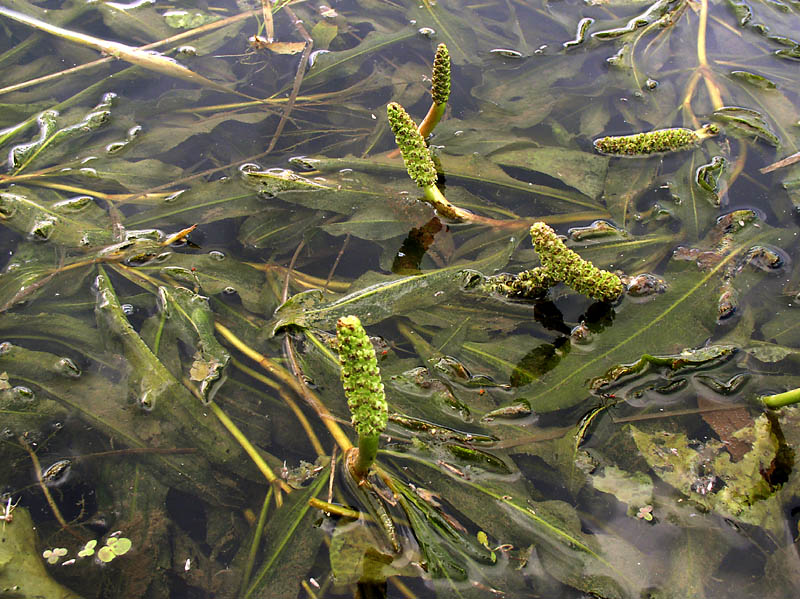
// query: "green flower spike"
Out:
[440,91]
[529,284]
[363,388]
[562,264]
[419,164]
[652,142]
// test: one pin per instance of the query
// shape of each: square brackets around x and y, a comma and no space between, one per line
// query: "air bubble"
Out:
[23,393]
[506,53]
[116,146]
[147,401]
[312,58]
[68,368]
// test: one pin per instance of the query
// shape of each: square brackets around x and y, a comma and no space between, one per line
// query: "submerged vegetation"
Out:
[243,355]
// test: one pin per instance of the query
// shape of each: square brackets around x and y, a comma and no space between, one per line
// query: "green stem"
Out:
[256,542]
[367,450]
[781,399]
[249,449]
[436,198]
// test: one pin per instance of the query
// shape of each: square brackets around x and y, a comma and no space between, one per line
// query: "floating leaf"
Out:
[707,476]
[381,300]
[23,569]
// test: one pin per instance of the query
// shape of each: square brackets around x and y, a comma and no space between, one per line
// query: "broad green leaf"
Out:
[157,394]
[580,170]
[45,215]
[191,315]
[202,203]
[279,230]
[23,567]
[381,300]
[686,313]
[332,65]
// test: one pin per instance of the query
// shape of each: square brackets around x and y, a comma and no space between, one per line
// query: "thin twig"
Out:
[254,545]
[333,473]
[332,508]
[175,38]
[312,436]
[38,470]
[278,371]
[336,262]
[289,269]
[788,161]
[298,79]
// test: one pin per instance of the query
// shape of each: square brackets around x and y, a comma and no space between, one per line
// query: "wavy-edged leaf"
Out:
[384,299]
[44,215]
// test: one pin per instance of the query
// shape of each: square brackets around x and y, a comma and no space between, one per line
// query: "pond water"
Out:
[195,193]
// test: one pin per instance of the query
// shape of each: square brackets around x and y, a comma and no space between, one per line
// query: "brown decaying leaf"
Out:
[725,423]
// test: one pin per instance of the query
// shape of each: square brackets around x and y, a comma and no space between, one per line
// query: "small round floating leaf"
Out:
[121,547]
[88,549]
[106,554]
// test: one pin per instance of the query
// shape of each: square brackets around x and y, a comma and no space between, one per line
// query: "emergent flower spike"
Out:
[440,91]
[440,87]
[562,264]
[412,146]
[651,142]
[363,388]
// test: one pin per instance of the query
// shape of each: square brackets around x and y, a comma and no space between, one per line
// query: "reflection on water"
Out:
[193,196]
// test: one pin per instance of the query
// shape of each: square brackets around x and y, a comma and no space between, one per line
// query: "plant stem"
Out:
[431,119]
[781,399]
[332,508]
[436,199]
[251,451]
[365,456]
[255,542]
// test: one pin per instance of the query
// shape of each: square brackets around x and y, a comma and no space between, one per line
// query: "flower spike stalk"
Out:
[440,91]
[652,142]
[780,400]
[363,388]
[419,163]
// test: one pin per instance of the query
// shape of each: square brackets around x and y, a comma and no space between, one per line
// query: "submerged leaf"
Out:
[705,473]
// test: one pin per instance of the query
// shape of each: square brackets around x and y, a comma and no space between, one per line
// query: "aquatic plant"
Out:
[94,190]
[779,400]
[440,91]
[559,264]
[361,379]
[651,142]
[563,264]
[418,161]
